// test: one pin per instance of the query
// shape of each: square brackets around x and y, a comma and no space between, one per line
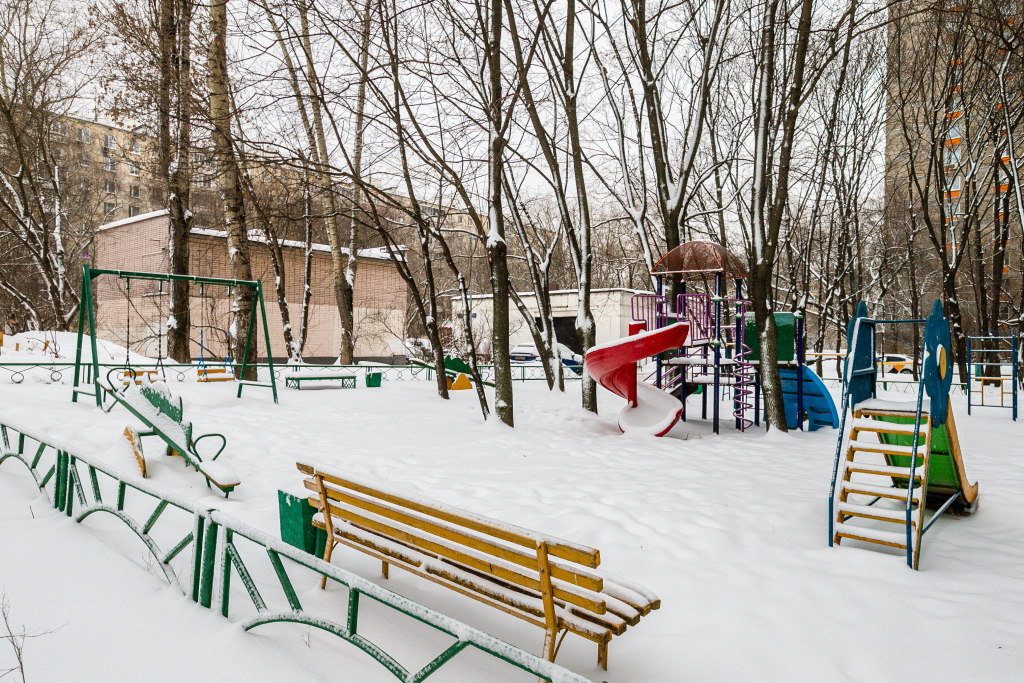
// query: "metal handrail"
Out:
[913,469]
[847,372]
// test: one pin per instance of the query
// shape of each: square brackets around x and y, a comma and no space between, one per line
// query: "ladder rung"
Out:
[884,470]
[866,425]
[890,538]
[888,449]
[881,514]
[882,491]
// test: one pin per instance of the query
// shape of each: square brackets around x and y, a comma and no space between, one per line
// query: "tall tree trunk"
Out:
[179,182]
[342,286]
[497,248]
[586,330]
[307,274]
[951,306]
[231,186]
[348,293]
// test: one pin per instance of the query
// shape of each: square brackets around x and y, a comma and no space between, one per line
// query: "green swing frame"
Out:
[87,310]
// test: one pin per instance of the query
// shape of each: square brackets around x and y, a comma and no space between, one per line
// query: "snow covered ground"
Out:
[730,531]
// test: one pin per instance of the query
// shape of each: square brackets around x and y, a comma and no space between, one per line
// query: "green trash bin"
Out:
[297,528]
[373,379]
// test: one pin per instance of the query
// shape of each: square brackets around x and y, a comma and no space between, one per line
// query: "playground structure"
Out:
[977,371]
[92,375]
[710,356]
[918,444]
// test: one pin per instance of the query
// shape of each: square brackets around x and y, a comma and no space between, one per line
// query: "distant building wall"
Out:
[140,244]
[611,309]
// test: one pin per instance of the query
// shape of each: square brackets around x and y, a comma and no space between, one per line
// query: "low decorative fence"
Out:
[224,549]
[58,372]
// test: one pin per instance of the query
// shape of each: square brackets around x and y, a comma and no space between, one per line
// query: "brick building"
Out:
[140,243]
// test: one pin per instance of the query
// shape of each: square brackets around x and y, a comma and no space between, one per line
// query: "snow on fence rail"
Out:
[217,555]
[57,372]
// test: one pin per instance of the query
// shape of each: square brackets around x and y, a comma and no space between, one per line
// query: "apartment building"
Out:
[954,106]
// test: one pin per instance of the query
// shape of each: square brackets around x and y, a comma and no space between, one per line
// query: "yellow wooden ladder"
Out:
[877,480]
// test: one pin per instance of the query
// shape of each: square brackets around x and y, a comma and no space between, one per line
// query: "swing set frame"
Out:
[87,310]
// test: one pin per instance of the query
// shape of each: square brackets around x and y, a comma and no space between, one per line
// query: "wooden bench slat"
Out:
[560,571]
[594,604]
[517,604]
[588,557]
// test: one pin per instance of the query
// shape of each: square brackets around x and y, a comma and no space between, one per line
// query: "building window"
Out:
[133,168]
[109,142]
[109,186]
[84,136]
[199,159]
[134,192]
[953,136]
[203,181]
[59,129]
[109,164]
[952,158]
[133,211]
[60,155]
[136,147]
[83,159]
[108,209]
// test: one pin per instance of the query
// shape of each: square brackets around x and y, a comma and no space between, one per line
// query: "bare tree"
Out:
[229,173]
[42,49]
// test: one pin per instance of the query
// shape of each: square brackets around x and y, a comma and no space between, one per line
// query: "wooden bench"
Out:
[546,581]
[163,415]
[293,381]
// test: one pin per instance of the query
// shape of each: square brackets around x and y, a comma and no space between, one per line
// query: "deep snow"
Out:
[730,531]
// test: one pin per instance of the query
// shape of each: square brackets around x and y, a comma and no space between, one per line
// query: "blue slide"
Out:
[818,403]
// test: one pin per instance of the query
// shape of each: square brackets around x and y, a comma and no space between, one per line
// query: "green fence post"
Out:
[225,570]
[353,611]
[209,564]
[60,484]
[198,526]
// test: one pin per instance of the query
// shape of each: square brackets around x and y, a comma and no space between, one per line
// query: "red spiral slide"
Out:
[613,364]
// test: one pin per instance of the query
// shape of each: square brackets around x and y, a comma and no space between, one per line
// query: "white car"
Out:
[897,363]
[527,353]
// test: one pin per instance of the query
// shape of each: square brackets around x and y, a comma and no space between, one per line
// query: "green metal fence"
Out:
[63,371]
[224,549]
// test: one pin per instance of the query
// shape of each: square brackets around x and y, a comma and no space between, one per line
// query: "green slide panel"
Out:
[785,326]
[942,477]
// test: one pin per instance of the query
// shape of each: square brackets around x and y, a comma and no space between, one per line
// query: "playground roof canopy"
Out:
[700,260]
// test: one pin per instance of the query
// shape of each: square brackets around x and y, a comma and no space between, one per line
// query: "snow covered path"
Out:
[730,531]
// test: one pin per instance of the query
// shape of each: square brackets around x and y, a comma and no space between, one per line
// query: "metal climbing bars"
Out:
[980,364]
[224,549]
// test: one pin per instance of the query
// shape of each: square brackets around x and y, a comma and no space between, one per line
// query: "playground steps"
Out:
[866,445]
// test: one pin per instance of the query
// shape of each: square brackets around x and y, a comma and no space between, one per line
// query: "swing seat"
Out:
[137,375]
[214,375]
